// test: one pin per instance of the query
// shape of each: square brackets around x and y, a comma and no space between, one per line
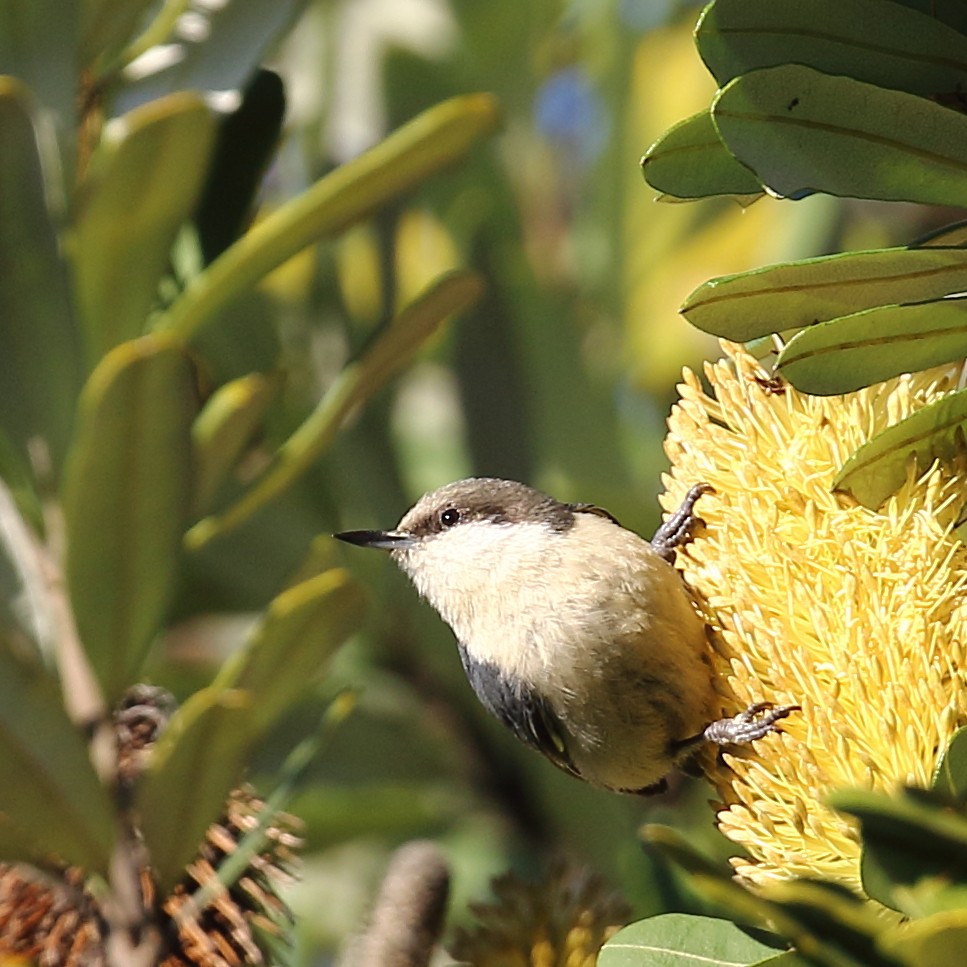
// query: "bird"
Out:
[578,634]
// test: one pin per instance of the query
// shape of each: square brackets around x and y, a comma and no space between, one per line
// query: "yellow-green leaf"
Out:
[435,139]
[796,294]
[940,938]
[143,183]
[196,763]
[294,639]
[125,498]
[391,348]
[879,467]
[48,788]
[224,428]
[845,354]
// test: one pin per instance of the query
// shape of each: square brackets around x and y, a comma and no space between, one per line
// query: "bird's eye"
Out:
[450,517]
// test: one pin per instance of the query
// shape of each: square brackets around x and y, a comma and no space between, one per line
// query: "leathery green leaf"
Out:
[880,43]
[690,161]
[39,372]
[879,467]
[801,130]
[48,788]
[224,428]
[435,139]
[106,25]
[796,294]
[126,495]
[391,348]
[299,631]
[845,354]
[676,939]
[950,777]
[923,942]
[143,183]
[195,765]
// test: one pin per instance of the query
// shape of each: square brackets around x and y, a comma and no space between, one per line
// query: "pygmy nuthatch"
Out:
[579,635]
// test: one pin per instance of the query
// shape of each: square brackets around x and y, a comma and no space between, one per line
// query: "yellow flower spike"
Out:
[858,616]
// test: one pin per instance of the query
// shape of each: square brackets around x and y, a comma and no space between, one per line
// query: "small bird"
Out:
[576,633]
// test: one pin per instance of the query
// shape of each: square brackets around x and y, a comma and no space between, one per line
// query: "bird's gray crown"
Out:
[485,498]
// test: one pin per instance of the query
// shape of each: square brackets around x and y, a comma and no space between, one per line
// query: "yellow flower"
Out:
[858,616]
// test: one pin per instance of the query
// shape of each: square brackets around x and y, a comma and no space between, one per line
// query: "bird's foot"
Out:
[680,527]
[755,723]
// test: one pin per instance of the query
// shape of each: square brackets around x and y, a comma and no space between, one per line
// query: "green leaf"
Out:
[48,788]
[225,428]
[391,348]
[950,777]
[125,500]
[690,161]
[143,183]
[437,138]
[232,40]
[38,40]
[195,765]
[294,639]
[800,130]
[940,938]
[680,939]
[869,40]
[795,294]
[879,467]
[39,372]
[106,25]
[854,351]
[951,12]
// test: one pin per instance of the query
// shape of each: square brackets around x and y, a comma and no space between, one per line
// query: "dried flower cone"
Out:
[859,616]
[561,921]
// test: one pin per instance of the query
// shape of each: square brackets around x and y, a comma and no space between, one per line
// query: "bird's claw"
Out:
[680,527]
[755,723]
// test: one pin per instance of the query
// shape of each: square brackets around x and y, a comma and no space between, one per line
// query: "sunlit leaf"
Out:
[48,788]
[39,363]
[879,467]
[125,499]
[196,763]
[940,938]
[880,43]
[435,139]
[690,161]
[680,939]
[845,354]
[795,294]
[392,347]
[226,425]
[801,130]
[143,183]
[294,639]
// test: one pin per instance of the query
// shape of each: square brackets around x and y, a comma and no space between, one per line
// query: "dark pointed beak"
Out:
[384,540]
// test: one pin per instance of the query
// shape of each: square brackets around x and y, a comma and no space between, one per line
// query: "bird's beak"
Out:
[384,540]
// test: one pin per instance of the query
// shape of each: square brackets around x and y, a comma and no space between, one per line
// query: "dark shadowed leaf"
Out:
[845,354]
[796,294]
[880,43]
[690,161]
[40,372]
[48,788]
[143,183]
[951,775]
[125,500]
[801,130]
[879,467]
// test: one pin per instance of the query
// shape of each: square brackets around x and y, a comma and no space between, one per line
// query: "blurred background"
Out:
[562,377]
